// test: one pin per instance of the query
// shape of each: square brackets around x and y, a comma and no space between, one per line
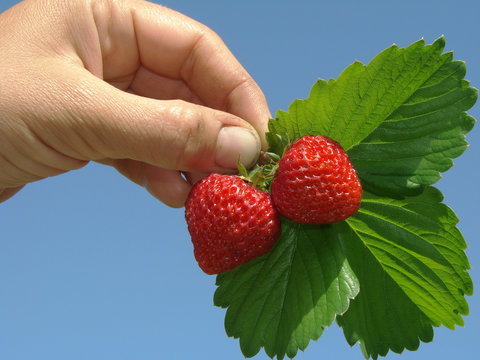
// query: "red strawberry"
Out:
[230,222]
[316,182]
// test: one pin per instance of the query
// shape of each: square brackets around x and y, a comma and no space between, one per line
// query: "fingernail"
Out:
[236,144]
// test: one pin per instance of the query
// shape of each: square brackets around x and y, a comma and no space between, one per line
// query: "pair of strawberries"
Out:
[231,222]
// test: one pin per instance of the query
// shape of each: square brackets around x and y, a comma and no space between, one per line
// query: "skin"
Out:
[126,83]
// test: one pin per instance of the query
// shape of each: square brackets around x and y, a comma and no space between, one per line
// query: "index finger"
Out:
[178,47]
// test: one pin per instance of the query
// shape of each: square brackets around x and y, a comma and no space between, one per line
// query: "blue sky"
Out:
[92,267]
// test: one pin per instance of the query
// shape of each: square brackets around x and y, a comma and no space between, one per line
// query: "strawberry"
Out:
[316,183]
[230,222]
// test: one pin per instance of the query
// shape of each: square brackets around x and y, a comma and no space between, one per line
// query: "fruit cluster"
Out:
[232,222]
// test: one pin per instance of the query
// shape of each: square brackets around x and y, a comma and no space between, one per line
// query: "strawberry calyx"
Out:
[262,174]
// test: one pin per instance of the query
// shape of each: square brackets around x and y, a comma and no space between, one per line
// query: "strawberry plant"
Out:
[392,267]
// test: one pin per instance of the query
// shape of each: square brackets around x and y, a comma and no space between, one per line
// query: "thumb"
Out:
[107,123]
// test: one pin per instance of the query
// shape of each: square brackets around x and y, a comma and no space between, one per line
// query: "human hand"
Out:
[126,83]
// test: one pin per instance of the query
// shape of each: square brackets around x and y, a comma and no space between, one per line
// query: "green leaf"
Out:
[350,108]
[381,317]
[419,139]
[402,119]
[287,297]
[408,256]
